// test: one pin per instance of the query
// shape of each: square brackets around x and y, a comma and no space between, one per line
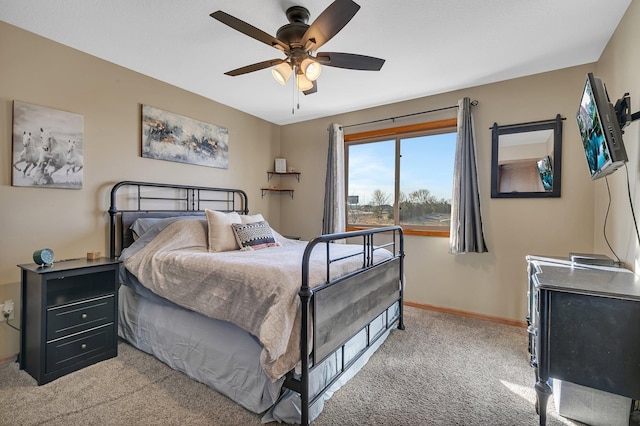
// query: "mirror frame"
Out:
[553,124]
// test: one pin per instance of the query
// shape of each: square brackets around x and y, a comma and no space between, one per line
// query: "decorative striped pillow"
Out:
[254,236]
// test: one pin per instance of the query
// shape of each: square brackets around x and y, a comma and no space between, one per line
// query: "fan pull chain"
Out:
[293,95]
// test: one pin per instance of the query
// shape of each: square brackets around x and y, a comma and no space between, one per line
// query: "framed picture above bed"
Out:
[172,137]
[47,147]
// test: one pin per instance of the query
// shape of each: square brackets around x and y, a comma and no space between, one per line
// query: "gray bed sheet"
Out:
[222,355]
[227,358]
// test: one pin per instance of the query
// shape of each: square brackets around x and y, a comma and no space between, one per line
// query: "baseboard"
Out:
[8,359]
[467,314]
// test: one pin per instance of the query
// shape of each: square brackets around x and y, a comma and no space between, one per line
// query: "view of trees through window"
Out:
[418,169]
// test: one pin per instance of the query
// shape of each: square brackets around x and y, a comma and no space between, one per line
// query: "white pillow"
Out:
[247,218]
[221,236]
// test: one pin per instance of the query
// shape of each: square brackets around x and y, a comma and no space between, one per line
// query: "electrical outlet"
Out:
[7,308]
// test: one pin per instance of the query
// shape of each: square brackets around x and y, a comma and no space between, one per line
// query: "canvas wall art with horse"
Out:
[48,147]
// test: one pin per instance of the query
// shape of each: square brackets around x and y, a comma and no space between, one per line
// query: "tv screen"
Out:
[599,129]
[546,174]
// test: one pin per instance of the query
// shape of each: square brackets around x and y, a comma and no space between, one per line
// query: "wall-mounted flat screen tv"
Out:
[600,130]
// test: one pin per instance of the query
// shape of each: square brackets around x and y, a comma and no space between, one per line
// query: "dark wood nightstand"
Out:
[68,317]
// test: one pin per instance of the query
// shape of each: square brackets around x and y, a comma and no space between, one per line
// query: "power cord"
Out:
[604,226]
[6,320]
[633,214]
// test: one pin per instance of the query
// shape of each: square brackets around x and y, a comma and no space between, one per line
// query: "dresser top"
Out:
[565,276]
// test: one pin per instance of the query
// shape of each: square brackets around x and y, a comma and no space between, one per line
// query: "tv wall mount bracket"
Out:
[623,111]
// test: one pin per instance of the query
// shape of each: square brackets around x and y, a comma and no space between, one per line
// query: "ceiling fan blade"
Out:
[248,29]
[313,90]
[330,22]
[254,67]
[350,61]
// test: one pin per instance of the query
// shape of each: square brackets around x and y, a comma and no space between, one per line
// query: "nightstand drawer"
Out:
[76,317]
[79,347]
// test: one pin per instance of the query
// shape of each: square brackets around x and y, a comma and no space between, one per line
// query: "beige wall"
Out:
[72,222]
[619,69]
[494,283]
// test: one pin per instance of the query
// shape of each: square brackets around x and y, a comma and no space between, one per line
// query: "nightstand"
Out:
[68,317]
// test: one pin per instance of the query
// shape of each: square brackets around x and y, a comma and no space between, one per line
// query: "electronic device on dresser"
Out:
[69,316]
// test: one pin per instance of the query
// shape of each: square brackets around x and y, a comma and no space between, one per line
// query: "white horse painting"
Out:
[30,155]
[50,160]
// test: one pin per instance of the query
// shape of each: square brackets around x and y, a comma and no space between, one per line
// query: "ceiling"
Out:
[430,46]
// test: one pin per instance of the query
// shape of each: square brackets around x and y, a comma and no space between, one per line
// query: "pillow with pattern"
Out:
[254,236]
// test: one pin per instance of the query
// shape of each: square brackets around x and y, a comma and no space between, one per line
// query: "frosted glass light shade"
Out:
[311,69]
[303,82]
[282,73]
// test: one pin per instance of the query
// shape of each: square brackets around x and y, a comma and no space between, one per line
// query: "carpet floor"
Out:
[442,370]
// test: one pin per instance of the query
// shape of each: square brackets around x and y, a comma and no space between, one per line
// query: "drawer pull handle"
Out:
[84,346]
[84,316]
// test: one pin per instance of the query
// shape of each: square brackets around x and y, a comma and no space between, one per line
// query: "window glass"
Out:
[371,187]
[426,178]
[402,180]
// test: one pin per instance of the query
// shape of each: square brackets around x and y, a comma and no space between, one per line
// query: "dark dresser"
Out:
[583,327]
[68,316]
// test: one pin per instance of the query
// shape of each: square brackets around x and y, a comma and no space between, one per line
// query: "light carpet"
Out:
[442,370]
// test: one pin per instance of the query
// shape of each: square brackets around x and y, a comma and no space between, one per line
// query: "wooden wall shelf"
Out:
[271,174]
[265,190]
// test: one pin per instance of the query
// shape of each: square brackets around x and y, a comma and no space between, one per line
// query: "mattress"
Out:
[227,358]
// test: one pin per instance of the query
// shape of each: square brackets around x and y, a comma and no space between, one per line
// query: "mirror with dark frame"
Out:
[526,159]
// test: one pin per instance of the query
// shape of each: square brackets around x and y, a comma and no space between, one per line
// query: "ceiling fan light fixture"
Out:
[282,73]
[311,69]
[303,83]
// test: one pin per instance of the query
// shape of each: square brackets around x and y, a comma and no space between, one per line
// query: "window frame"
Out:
[400,132]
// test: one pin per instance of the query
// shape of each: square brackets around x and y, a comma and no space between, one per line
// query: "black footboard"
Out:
[343,307]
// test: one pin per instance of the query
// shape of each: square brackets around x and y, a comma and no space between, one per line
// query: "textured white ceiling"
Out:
[430,46]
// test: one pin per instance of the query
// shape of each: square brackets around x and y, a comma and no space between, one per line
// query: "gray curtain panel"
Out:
[334,217]
[466,219]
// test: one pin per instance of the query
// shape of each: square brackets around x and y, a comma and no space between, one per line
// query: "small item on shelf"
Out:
[93,255]
[281,165]
[43,257]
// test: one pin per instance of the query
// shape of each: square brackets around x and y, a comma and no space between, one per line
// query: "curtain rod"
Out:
[473,103]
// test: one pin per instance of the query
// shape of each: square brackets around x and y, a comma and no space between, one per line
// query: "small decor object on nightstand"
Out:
[43,257]
[281,165]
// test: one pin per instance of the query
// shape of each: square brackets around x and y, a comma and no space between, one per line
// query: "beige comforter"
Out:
[256,290]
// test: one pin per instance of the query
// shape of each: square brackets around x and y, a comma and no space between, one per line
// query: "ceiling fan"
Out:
[298,41]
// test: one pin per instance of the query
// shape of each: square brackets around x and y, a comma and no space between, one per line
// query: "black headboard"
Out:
[131,200]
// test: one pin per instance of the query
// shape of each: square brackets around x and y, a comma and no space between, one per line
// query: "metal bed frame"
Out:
[338,309]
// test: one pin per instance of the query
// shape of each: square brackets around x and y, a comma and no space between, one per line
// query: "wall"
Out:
[38,71]
[491,284]
[618,69]
[72,222]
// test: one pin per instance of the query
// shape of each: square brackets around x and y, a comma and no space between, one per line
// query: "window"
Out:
[401,176]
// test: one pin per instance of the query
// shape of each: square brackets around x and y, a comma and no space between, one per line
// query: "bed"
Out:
[276,324]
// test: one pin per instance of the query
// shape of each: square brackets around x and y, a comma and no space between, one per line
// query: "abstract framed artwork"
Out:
[171,137]
[48,147]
